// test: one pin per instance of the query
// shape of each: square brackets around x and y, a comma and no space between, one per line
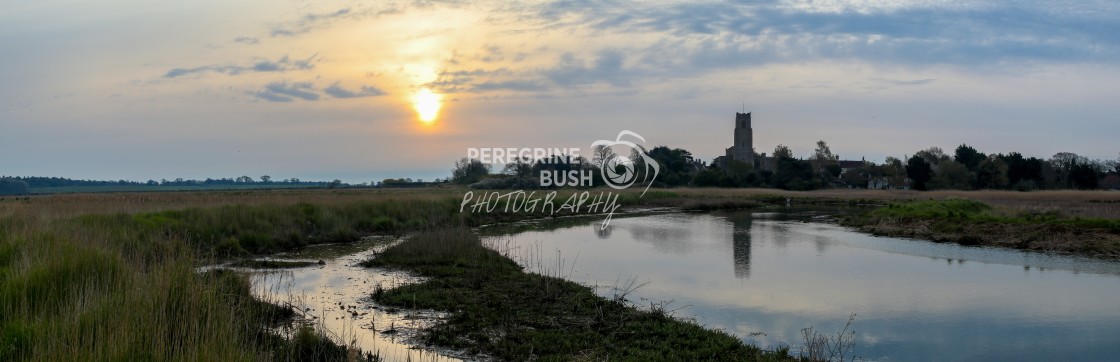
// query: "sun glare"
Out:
[427,105]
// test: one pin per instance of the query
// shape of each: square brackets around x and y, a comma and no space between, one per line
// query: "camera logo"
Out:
[622,159]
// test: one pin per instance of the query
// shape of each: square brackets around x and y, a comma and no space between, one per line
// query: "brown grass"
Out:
[1086,204]
[69,205]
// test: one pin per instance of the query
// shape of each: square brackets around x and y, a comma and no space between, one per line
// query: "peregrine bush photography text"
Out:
[779,180]
[616,170]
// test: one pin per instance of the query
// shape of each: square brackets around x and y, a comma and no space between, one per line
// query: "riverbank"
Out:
[501,311]
[1085,223]
[70,264]
[968,222]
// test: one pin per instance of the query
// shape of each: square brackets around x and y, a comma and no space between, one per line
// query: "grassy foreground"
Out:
[124,286]
[112,276]
[499,310]
[62,299]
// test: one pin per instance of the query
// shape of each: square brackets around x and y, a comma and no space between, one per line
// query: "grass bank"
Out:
[499,310]
[1065,221]
[970,222]
[65,299]
[123,285]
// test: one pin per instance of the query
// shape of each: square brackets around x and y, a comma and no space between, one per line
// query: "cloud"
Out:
[285,92]
[272,97]
[337,91]
[608,67]
[689,40]
[513,85]
[283,64]
[960,33]
[309,22]
[476,79]
[246,40]
[901,82]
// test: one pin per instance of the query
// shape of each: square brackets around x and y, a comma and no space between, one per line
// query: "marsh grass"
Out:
[124,286]
[113,276]
[1067,203]
[64,301]
[500,310]
[972,222]
[829,347]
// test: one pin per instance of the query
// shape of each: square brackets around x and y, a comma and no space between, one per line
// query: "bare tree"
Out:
[782,151]
[520,167]
[991,173]
[468,171]
[933,155]
[823,152]
[602,154]
[1063,163]
[823,157]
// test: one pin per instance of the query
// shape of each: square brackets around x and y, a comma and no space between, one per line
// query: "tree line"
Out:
[970,169]
[17,185]
[965,169]
[37,182]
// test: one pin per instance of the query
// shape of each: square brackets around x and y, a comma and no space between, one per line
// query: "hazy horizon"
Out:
[337,89]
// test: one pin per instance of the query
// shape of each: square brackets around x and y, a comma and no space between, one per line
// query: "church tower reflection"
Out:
[741,243]
[603,232]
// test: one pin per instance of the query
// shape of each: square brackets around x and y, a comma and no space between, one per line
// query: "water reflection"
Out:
[915,300]
[665,238]
[741,244]
[334,297]
[604,232]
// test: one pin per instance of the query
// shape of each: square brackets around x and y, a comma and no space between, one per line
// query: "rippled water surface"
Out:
[764,279]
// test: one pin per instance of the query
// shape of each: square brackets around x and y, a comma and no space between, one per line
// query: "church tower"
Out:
[743,149]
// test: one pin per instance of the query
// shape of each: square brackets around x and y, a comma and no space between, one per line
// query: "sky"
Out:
[319,90]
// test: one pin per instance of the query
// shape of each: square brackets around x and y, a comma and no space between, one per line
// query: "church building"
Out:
[743,148]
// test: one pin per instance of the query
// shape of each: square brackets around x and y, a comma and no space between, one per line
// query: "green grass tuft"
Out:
[498,309]
[934,209]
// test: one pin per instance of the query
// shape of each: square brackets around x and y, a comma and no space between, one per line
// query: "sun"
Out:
[427,104]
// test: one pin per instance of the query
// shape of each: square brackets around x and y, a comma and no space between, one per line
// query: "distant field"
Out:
[146,188]
[73,201]
[1071,203]
[69,204]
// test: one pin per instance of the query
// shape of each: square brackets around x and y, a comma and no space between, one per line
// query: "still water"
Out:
[764,277]
[334,297]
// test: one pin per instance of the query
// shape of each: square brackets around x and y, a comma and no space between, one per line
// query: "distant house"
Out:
[885,183]
[878,183]
[1110,182]
[849,165]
